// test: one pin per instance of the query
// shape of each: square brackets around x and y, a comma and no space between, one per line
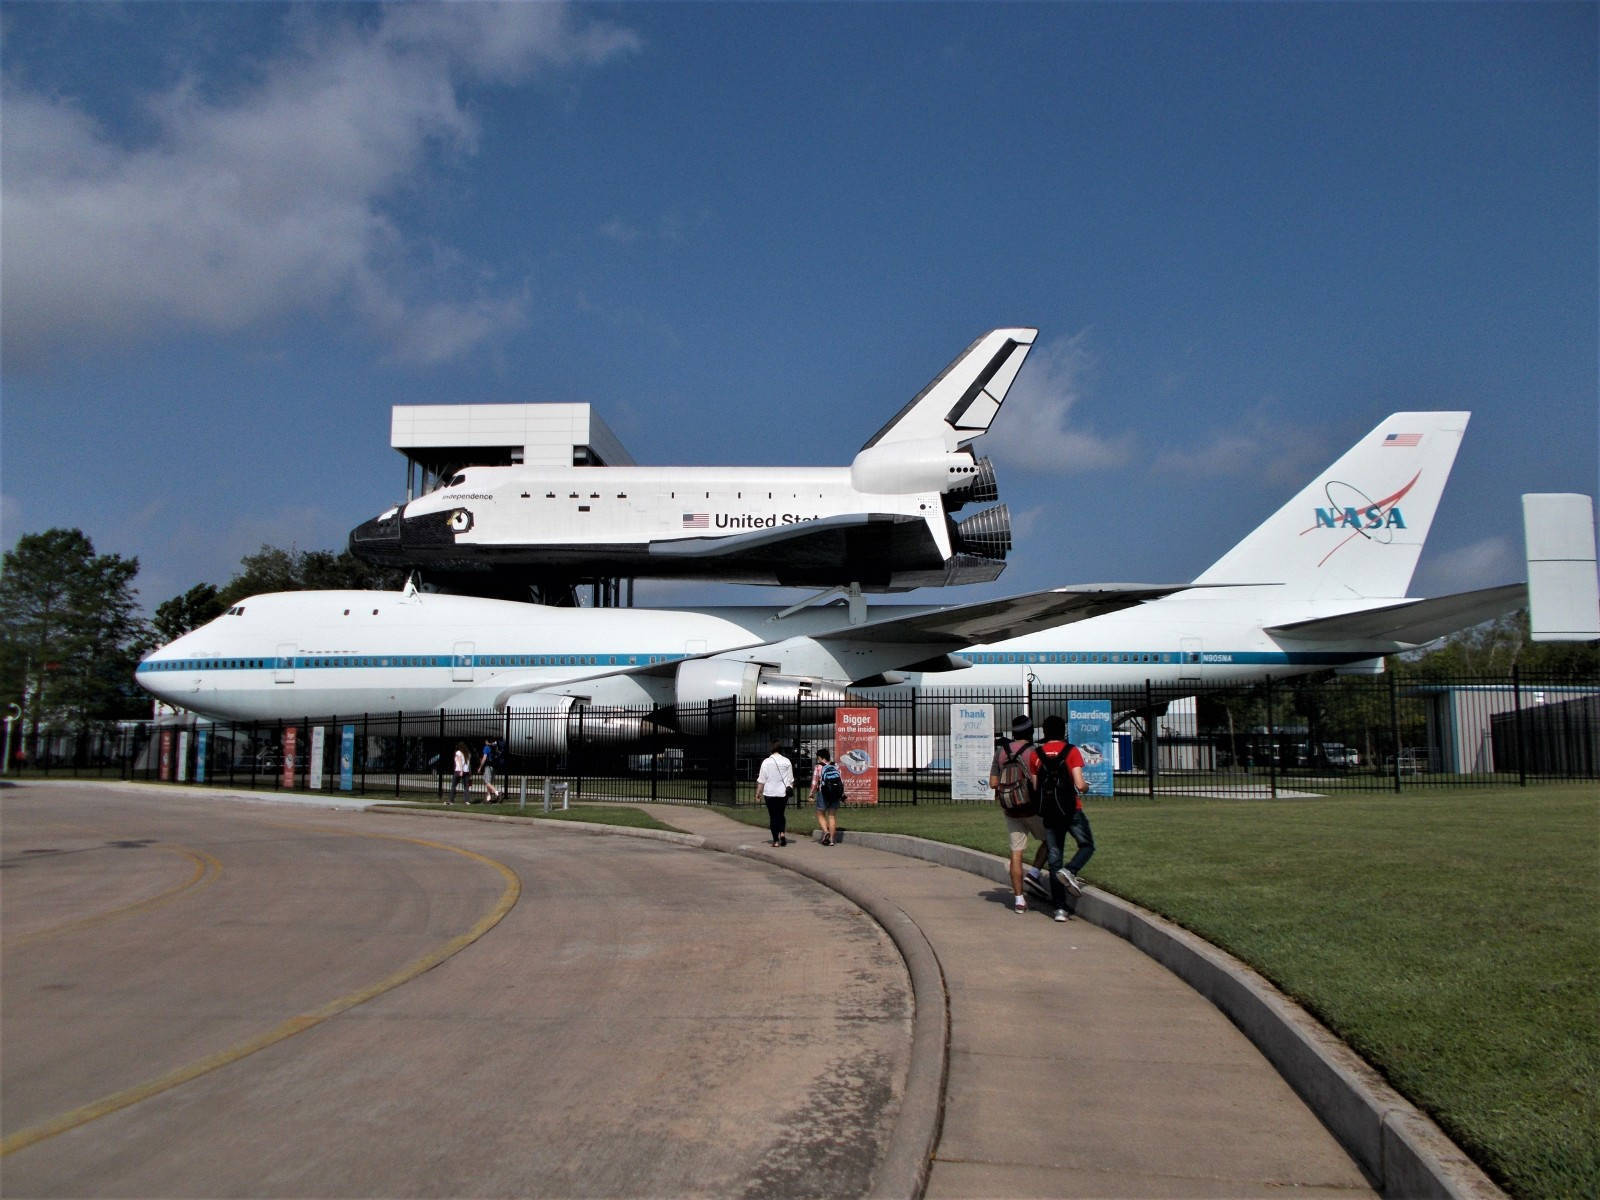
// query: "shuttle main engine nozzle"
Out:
[986,534]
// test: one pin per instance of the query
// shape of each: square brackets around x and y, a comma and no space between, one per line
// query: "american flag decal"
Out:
[1402,439]
[697,520]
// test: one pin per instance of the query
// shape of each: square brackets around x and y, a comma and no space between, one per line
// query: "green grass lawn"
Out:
[1451,937]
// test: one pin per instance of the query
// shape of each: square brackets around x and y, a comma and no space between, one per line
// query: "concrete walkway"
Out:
[1075,1065]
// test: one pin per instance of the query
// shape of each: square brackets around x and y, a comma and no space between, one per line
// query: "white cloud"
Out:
[272,203]
[1255,443]
[1033,431]
[1479,564]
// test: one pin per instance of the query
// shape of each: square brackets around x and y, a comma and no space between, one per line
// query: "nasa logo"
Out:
[1351,510]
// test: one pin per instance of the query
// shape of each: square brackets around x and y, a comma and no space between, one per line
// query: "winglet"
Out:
[963,399]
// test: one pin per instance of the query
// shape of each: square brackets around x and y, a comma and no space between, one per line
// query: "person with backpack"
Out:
[827,793]
[490,760]
[1060,789]
[1012,776]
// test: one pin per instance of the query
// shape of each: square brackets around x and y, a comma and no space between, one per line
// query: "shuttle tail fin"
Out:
[1356,530]
[962,401]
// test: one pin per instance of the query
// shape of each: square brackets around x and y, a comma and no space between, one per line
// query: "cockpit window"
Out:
[236,611]
[457,479]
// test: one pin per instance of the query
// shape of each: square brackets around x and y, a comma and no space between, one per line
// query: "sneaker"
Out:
[1070,881]
[1020,905]
[1061,914]
[783,840]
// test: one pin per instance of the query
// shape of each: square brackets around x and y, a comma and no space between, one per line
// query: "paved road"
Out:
[209,998]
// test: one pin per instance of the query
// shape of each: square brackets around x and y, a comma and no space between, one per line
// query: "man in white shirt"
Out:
[775,784]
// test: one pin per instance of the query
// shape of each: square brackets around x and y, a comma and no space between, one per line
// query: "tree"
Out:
[177,616]
[1495,648]
[70,636]
[272,569]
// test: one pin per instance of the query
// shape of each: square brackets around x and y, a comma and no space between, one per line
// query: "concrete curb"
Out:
[1393,1141]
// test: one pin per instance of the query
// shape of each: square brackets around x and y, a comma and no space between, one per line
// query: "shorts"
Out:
[825,805]
[1020,827]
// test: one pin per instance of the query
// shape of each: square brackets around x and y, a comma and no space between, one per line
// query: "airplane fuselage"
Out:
[317,653]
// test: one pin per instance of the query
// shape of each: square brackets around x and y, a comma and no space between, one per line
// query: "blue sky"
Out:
[232,236]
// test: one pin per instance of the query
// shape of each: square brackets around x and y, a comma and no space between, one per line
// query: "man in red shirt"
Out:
[1059,779]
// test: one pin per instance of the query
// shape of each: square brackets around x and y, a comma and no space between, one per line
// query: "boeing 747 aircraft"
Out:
[1320,584]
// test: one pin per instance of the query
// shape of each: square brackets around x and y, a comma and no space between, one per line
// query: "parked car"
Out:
[1337,754]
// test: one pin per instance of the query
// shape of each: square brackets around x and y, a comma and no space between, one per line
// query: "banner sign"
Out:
[201,739]
[165,773]
[319,743]
[291,735]
[855,748]
[971,751]
[183,756]
[1089,729]
[347,759]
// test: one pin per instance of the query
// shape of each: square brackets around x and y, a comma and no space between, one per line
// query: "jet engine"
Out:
[704,682]
[548,723]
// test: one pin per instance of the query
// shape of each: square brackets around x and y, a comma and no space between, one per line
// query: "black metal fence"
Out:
[1271,738]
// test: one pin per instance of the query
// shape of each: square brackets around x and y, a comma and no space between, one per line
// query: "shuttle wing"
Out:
[1410,622]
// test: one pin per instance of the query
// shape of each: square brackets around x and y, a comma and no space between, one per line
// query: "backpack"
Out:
[493,755]
[1058,795]
[832,784]
[1015,789]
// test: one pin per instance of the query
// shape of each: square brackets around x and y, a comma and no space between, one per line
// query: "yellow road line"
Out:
[297,1024]
[206,870]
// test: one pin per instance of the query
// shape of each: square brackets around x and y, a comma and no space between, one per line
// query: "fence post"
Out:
[1272,745]
[1522,740]
[438,786]
[1394,727]
[1152,741]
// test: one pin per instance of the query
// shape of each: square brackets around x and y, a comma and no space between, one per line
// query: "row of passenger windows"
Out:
[1064,657]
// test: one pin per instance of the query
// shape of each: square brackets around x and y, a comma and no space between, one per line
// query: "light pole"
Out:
[13,714]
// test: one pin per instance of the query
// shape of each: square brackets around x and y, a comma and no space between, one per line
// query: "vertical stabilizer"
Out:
[962,401]
[1357,529]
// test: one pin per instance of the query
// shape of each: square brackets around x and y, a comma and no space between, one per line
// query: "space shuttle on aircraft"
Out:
[1321,584]
[885,522]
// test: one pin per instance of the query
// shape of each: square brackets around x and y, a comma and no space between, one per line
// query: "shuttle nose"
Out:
[377,540]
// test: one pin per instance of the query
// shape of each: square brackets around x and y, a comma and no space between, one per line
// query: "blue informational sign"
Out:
[347,759]
[201,737]
[1089,729]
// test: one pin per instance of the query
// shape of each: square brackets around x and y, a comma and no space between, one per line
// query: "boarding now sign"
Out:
[855,749]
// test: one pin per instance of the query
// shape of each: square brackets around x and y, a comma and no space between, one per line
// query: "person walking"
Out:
[489,760]
[1012,775]
[827,792]
[775,784]
[461,776]
[1060,786]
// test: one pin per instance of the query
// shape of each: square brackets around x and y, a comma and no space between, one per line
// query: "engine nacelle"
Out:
[548,723]
[918,465]
[703,681]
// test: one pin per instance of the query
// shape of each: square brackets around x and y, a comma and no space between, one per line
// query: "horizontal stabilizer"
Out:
[1410,622]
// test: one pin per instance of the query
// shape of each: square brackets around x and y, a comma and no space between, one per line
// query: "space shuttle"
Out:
[885,523]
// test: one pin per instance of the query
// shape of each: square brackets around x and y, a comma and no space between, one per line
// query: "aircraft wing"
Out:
[896,642]
[880,551]
[997,620]
[1410,622]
